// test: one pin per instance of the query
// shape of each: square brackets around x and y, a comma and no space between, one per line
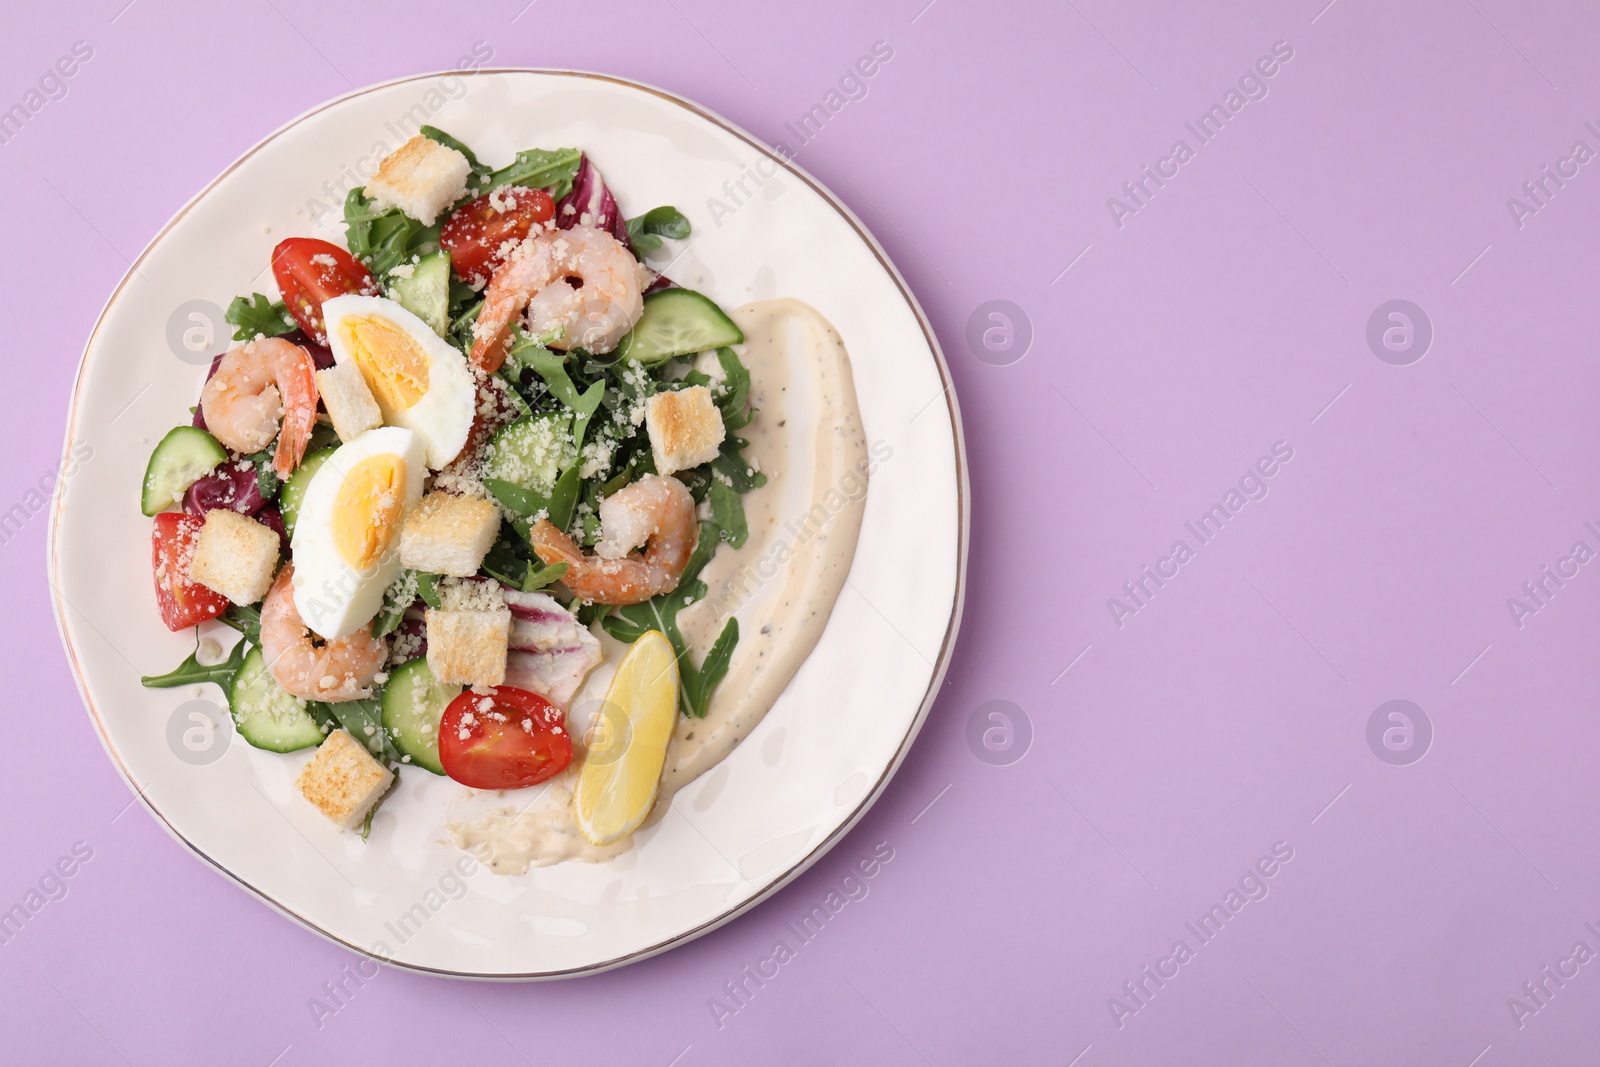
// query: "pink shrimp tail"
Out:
[297,378]
[529,268]
[503,300]
[335,670]
[630,579]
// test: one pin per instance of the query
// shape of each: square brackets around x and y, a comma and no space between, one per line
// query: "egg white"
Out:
[442,417]
[333,598]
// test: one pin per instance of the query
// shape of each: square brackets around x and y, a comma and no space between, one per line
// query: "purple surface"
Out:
[1165,756]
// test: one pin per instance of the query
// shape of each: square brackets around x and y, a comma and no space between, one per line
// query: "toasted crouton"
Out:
[235,555]
[343,780]
[349,400]
[467,638]
[447,534]
[421,178]
[685,428]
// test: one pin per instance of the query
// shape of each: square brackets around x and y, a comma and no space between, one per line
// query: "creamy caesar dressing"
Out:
[783,581]
[781,584]
[508,839]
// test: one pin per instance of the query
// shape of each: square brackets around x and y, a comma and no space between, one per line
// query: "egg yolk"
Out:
[394,365]
[366,511]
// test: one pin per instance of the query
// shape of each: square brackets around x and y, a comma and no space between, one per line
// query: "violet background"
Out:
[1225,716]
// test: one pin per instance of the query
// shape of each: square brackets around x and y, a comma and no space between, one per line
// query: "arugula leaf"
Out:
[534,577]
[244,619]
[697,480]
[461,327]
[645,231]
[537,579]
[552,367]
[517,361]
[322,717]
[192,671]
[699,683]
[364,720]
[552,170]
[384,239]
[438,136]
[589,529]
[258,316]
[727,510]
[734,402]
[564,497]
[358,219]
[515,406]
[587,405]
[626,476]
[428,589]
[461,294]
[366,824]
[508,555]
[400,595]
[630,623]
[524,502]
[730,462]
[589,614]
[667,221]
[267,481]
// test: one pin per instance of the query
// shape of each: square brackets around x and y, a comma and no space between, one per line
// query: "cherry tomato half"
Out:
[309,271]
[183,603]
[475,232]
[508,740]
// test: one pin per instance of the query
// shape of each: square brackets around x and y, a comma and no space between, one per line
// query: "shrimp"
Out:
[657,509]
[581,283]
[607,300]
[258,387]
[306,667]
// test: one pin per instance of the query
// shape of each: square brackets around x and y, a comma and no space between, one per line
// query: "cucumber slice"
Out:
[294,490]
[678,322]
[532,452]
[413,702]
[182,458]
[426,293]
[266,716]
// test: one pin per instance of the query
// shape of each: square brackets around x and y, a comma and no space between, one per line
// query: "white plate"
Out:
[785,796]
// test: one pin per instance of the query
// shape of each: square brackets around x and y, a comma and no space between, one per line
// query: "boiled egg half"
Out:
[419,379]
[346,543]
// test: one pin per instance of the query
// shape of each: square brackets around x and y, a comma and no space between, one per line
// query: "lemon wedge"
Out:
[617,786]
